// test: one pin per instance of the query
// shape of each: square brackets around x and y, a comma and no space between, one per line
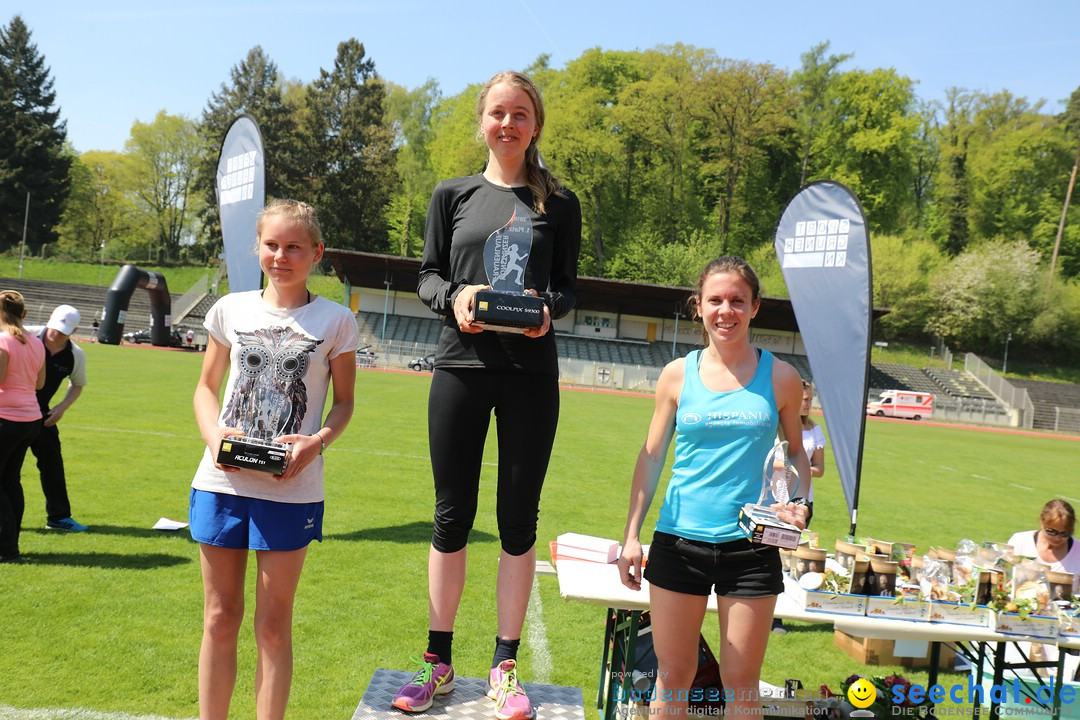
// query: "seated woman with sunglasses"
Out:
[1053,544]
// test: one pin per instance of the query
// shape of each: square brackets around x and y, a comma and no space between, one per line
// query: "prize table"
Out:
[598,584]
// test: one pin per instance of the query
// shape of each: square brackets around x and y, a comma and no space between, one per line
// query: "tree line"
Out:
[676,153]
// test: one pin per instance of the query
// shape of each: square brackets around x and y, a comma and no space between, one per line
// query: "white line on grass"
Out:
[946,467]
[981,477]
[536,632]
[1070,499]
[196,437]
[10,713]
[133,432]
[400,455]
[1022,487]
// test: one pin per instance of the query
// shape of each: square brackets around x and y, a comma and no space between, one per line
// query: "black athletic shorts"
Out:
[737,568]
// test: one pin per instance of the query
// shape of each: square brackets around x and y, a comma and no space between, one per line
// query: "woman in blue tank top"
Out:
[723,405]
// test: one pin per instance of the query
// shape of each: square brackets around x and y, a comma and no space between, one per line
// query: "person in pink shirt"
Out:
[22,372]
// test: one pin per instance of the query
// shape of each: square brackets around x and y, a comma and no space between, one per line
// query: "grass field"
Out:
[110,620]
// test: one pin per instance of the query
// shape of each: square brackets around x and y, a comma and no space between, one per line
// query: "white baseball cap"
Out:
[65,319]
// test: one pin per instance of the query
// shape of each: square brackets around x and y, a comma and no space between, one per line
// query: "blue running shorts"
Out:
[244,523]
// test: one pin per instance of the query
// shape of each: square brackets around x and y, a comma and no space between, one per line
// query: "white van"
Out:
[902,404]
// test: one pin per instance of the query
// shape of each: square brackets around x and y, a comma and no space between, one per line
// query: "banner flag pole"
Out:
[241,195]
[824,249]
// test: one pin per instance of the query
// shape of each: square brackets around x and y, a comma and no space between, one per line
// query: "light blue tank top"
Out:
[721,441]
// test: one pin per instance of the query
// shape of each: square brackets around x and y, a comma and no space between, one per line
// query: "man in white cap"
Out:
[63,359]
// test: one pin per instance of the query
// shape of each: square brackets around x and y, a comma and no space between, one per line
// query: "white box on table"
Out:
[1070,627]
[1039,626]
[824,602]
[961,614]
[587,547]
[883,606]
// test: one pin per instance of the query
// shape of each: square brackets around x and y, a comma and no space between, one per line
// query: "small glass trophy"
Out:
[506,307]
[780,482]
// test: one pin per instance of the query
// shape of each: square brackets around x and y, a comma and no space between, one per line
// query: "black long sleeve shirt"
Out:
[463,213]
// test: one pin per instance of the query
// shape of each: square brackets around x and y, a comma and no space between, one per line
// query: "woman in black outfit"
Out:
[478,371]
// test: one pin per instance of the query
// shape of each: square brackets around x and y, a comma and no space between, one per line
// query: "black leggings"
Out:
[14,440]
[459,411]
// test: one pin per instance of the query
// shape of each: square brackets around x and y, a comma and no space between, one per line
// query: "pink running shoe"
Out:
[511,702]
[433,678]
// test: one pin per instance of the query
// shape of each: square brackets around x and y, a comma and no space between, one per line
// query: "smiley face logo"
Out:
[862,693]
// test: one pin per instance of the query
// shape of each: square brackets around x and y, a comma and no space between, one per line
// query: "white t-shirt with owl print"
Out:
[279,376]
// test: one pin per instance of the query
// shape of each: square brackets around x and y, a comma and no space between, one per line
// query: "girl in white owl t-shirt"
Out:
[281,347]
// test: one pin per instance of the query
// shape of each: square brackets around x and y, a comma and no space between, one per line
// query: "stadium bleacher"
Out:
[892,376]
[959,384]
[1046,396]
[409,330]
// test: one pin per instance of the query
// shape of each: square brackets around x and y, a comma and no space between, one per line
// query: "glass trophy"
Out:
[779,482]
[506,307]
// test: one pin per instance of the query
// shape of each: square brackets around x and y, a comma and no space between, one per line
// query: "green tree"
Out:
[644,260]
[99,210]
[351,151]
[162,156]
[988,291]
[256,88]
[658,128]
[582,143]
[410,114]
[926,157]
[456,147]
[1016,172]
[902,270]
[813,80]
[952,185]
[1054,334]
[33,158]
[867,143]
[745,108]
[1071,122]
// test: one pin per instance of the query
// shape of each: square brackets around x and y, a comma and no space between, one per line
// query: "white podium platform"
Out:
[467,701]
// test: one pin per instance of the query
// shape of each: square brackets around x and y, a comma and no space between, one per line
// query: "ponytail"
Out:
[12,312]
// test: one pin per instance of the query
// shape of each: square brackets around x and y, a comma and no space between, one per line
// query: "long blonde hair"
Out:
[538,178]
[12,312]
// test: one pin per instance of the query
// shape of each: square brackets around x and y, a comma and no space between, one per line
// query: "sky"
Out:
[115,62]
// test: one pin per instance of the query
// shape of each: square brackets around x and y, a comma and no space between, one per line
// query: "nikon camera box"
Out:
[507,312]
[251,454]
